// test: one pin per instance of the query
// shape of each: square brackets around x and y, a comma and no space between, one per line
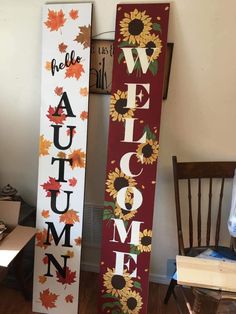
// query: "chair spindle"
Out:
[190,214]
[209,214]
[199,219]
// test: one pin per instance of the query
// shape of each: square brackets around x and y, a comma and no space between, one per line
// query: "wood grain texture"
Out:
[13,302]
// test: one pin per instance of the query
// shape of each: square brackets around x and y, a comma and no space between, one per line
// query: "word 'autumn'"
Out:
[58,134]
[69,59]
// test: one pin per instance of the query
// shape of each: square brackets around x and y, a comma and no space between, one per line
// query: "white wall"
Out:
[198,118]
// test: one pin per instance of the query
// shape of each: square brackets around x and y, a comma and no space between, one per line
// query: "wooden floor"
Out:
[12,301]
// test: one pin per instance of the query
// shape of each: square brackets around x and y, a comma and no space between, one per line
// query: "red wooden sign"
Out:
[133,148]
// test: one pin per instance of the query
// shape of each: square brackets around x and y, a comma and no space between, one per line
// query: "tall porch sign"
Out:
[62,160]
[133,148]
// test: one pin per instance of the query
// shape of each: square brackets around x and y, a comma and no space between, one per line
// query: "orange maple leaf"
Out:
[84,115]
[42,279]
[48,66]
[44,146]
[69,298]
[61,155]
[69,217]
[62,47]
[48,299]
[41,237]
[72,181]
[78,159]
[45,213]
[51,184]
[56,119]
[74,70]
[84,91]
[74,14]
[58,91]
[55,20]
[78,241]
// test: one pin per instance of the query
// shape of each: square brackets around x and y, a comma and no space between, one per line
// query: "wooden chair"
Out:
[203,222]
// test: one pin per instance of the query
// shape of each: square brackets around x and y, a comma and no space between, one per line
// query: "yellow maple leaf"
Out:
[44,146]
[70,253]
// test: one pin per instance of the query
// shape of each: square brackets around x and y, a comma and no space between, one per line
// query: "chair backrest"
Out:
[201,173]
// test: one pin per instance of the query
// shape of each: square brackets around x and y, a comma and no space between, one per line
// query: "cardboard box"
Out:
[206,273]
[18,235]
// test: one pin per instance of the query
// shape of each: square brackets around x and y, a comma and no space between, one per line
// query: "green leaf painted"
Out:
[134,250]
[150,135]
[153,67]
[109,295]
[137,285]
[121,56]
[156,27]
[107,214]
[126,44]
[110,304]
[109,204]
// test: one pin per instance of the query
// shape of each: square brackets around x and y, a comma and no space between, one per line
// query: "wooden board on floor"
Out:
[206,273]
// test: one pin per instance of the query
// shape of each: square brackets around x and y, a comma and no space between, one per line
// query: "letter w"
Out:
[134,228]
[141,56]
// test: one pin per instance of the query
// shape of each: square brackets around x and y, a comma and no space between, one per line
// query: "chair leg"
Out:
[170,290]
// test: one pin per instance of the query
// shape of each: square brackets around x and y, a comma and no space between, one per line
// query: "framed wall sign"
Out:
[102,52]
[133,150]
[62,156]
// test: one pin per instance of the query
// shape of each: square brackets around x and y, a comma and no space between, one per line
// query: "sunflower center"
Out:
[120,106]
[128,207]
[120,183]
[131,303]
[146,240]
[118,282]
[147,150]
[136,27]
[150,48]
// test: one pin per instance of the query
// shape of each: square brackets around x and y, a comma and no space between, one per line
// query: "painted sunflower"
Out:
[151,42]
[131,303]
[117,107]
[118,180]
[116,284]
[125,214]
[145,241]
[147,152]
[135,26]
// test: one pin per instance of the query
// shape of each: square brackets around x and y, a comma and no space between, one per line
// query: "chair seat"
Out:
[223,251]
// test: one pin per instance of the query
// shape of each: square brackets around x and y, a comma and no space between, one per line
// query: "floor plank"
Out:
[13,302]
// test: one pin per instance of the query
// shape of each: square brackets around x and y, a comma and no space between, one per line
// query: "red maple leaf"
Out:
[58,91]
[74,14]
[68,132]
[72,182]
[69,298]
[45,260]
[69,278]
[62,47]
[51,184]
[74,70]
[48,299]
[56,119]
[55,20]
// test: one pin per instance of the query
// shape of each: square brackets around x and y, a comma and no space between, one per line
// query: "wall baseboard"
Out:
[161,279]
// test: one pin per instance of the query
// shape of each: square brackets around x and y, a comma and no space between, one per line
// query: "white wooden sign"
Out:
[62,156]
